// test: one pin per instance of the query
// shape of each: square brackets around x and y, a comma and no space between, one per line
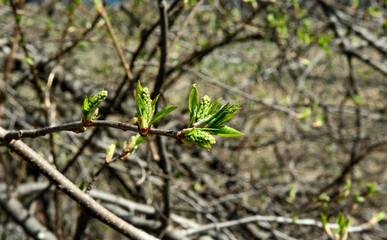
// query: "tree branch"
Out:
[77,127]
[65,185]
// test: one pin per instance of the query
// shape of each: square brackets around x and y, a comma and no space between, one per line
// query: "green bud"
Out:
[97,98]
[201,138]
[146,113]
[145,96]
[90,106]
[203,108]
[145,107]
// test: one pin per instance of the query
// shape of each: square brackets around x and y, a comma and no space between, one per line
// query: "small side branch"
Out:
[102,12]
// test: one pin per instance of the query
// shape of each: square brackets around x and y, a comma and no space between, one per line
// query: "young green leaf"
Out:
[343,226]
[90,106]
[94,102]
[154,101]
[226,131]
[214,106]
[193,102]
[207,118]
[138,139]
[138,98]
[160,114]
[82,186]
[225,114]
[85,106]
[189,131]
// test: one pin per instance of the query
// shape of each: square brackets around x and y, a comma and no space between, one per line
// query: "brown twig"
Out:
[102,12]
[31,64]
[183,26]
[76,126]
[95,177]
[144,39]
[8,67]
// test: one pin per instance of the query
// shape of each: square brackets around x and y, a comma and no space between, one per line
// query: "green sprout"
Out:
[199,137]
[110,153]
[145,110]
[343,226]
[131,147]
[207,119]
[90,107]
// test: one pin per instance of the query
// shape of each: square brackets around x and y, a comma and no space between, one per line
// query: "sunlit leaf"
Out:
[226,131]
[154,101]
[162,113]
[193,101]
[138,98]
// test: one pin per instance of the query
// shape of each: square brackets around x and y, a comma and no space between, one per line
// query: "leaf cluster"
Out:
[90,106]
[207,118]
[145,110]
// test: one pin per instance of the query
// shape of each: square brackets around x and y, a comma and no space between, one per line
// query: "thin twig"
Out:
[102,12]
[31,64]
[183,26]
[95,177]
[8,68]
